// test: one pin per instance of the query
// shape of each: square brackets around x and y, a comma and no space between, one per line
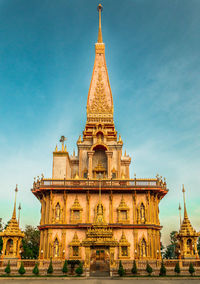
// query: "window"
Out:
[113,175]
[75,251]
[85,175]
[76,214]
[124,251]
[123,214]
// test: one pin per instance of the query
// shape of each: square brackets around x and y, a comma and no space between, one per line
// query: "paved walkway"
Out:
[101,281]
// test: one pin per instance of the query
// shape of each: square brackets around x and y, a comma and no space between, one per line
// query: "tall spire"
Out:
[100,101]
[185,210]
[14,210]
[100,9]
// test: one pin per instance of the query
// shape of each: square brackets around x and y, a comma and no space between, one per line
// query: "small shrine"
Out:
[187,236]
[12,236]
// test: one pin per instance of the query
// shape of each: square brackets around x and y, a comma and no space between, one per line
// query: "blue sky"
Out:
[153,60]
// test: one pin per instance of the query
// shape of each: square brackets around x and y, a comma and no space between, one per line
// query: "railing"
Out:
[95,183]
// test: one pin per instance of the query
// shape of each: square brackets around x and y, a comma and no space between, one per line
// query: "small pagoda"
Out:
[12,236]
[187,236]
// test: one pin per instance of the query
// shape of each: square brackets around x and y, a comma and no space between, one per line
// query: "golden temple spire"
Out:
[100,38]
[14,210]
[185,210]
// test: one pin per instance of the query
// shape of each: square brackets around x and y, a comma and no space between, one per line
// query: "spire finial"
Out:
[19,208]
[185,211]
[14,210]
[100,9]
[179,208]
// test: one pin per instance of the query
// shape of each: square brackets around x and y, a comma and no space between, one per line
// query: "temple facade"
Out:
[91,209]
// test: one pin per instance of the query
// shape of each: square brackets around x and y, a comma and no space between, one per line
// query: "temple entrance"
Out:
[99,262]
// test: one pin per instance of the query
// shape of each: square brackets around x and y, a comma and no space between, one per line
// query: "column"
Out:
[90,156]
[109,159]
[134,208]
[119,153]
[88,208]
[65,207]
[111,208]
[41,254]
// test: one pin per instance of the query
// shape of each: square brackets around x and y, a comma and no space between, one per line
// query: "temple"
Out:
[12,237]
[187,236]
[91,209]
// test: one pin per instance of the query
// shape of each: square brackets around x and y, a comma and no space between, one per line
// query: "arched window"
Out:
[56,248]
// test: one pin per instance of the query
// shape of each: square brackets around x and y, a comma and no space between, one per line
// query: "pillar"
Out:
[90,156]
[109,160]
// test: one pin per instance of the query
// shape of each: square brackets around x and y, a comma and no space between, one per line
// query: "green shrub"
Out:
[22,270]
[65,268]
[149,269]
[177,269]
[7,269]
[191,269]
[134,268]
[162,269]
[121,270]
[79,269]
[50,268]
[36,269]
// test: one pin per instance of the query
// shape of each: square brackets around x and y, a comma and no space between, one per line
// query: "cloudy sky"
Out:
[153,59]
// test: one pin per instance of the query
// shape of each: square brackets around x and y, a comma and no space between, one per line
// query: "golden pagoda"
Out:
[12,236]
[187,236]
[91,209]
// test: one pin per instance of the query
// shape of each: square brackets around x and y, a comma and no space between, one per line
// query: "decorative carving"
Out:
[75,249]
[76,212]
[124,247]
[99,104]
[123,212]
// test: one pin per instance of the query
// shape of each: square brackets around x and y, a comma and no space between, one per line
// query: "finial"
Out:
[19,208]
[179,208]
[65,148]
[56,149]
[79,139]
[125,153]
[185,211]
[73,153]
[14,210]
[100,38]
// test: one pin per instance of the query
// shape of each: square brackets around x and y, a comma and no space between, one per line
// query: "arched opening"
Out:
[143,248]
[142,213]
[99,162]
[189,246]
[57,212]
[9,247]
[56,248]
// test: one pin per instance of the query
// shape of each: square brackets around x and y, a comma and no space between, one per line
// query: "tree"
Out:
[36,269]
[50,268]
[79,269]
[134,268]
[191,269]
[162,269]
[149,269]
[177,269]
[171,248]
[1,229]
[31,242]
[65,268]
[121,270]
[7,269]
[22,270]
